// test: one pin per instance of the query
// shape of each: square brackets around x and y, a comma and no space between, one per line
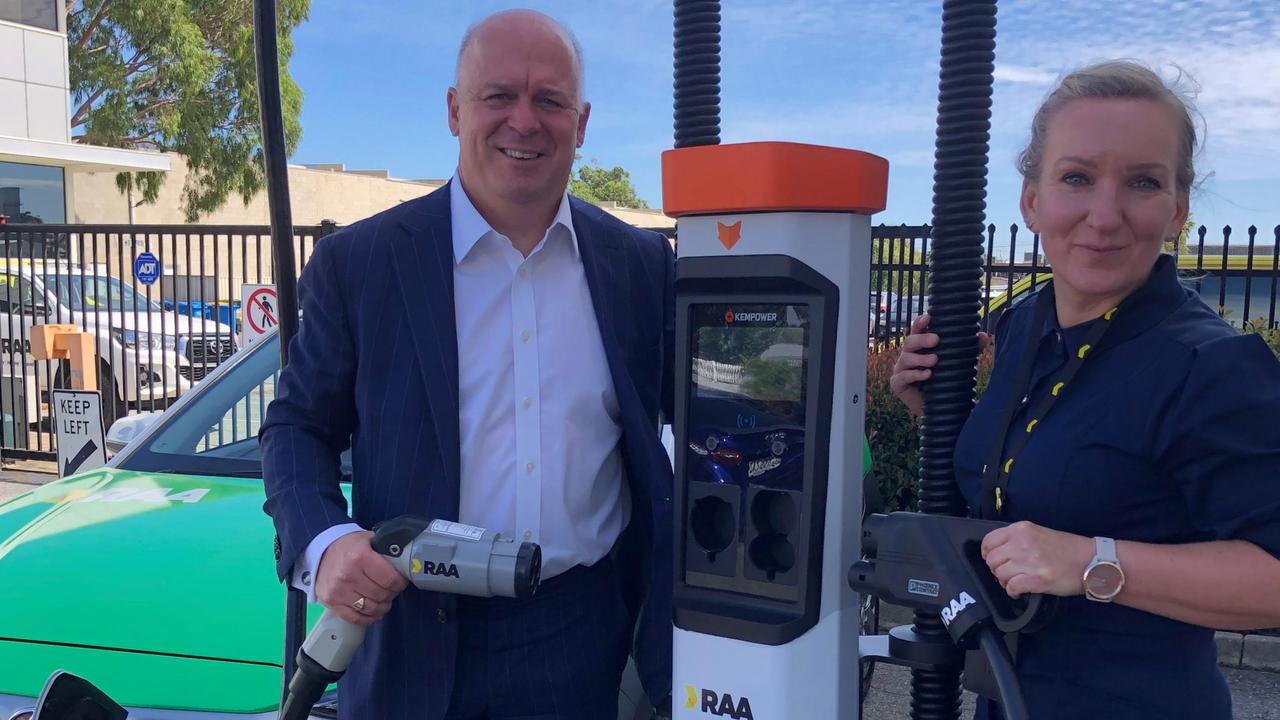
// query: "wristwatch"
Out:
[1103,578]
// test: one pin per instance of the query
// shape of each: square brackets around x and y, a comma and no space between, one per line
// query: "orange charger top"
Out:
[772,176]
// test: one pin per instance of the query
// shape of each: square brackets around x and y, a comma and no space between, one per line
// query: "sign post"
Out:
[261,310]
[82,442]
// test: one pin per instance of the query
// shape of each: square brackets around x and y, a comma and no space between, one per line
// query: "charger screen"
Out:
[747,409]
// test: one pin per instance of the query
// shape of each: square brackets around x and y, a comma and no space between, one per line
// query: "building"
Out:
[38,159]
[320,191]
[237,251]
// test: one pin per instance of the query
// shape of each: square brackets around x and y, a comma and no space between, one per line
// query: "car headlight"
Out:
[127,338]
[133,339]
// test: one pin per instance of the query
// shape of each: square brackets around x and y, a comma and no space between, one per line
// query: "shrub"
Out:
[894,435]
[1270,335]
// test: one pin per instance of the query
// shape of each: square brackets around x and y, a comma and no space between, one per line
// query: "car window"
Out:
[98,292]
[215,432]
[16,294]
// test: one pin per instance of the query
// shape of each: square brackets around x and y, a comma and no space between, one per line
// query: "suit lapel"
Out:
[602,262]
[424,267]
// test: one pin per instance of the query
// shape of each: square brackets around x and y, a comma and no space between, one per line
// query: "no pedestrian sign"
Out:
[77,415]
[261,311]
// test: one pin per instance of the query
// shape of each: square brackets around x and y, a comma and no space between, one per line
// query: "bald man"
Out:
[495,353]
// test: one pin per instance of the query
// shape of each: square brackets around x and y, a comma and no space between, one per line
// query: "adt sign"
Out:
[146,268]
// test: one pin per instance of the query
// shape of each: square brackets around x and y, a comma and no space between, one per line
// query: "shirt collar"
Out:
[469,225]
[1151,303]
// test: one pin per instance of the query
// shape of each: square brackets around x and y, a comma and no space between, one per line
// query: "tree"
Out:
[1178,246]
[178,76]
[597,184]
[904,253]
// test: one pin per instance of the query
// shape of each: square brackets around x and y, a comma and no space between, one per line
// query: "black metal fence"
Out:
[154,340]
[1238,274]
[158,328]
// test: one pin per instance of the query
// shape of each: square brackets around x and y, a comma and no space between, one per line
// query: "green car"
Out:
[154,578]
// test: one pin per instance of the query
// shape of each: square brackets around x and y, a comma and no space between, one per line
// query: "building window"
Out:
[36,13]
[32,193]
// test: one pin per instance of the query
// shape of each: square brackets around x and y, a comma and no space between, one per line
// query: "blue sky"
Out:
[851,73]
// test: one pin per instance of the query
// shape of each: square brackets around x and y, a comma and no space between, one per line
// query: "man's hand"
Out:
[350,570]
[1029,558]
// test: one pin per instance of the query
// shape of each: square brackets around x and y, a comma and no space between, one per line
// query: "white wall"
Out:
[34,82]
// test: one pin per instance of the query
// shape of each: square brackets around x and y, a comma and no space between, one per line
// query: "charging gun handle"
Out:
[321,660]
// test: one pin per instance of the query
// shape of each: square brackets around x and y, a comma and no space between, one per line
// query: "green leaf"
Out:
[596,184]
[179,76]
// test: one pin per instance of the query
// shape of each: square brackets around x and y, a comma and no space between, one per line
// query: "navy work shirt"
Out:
[1169,433]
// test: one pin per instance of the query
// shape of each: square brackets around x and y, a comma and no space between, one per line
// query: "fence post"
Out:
[327,227]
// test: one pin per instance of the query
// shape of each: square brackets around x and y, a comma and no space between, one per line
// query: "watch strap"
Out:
[1104,550]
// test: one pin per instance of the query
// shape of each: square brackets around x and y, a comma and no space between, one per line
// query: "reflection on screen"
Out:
[747,411]
[756,352]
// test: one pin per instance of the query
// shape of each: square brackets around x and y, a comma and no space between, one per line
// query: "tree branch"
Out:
[143,112]
[91,28]
[81,115]
[131,66]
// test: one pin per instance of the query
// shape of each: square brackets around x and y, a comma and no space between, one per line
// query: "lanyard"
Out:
[999,465]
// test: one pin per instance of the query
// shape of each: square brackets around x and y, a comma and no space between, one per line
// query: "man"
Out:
[495,353]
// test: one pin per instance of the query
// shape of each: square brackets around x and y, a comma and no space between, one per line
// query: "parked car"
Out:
[898,315]
[144,353]
[1206,275]
[154,577]
[879,304]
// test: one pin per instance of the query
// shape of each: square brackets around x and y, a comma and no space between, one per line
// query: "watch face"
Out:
[1104,580]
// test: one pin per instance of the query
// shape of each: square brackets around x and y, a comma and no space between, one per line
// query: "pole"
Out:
[282,260]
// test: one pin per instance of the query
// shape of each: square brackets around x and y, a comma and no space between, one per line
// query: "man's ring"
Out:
[358,605]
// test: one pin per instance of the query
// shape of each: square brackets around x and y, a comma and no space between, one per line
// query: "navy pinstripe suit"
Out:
[375,363]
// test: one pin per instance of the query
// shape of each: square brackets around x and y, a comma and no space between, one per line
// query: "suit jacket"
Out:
[375,364]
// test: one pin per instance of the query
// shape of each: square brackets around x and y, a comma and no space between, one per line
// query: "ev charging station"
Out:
[773,270]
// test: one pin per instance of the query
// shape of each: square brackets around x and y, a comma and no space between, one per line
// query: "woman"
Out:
[1140,433]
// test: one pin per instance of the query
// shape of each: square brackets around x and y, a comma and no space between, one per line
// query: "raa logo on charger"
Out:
[718,704]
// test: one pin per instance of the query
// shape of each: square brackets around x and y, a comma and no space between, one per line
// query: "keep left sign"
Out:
[77,417]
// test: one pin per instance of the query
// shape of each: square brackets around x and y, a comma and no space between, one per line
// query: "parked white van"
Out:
[144,353]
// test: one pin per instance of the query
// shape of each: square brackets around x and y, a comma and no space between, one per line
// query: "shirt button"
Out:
[523,271]
[442,616]
[306,578]
[528,534]
[528,467]
[524,335]
[528,402]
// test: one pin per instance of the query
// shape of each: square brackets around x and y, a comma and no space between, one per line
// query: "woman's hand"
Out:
[914,364]
[1029,558]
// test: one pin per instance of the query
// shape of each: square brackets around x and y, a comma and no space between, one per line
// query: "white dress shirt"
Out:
[538,416]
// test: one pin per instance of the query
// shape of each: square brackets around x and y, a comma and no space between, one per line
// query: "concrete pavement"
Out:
[1255,695]
[21,477]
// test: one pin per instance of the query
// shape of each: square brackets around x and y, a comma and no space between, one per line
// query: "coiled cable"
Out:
[697,72]
[965,85]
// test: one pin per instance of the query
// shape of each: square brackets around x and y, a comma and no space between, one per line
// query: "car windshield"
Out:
[86,293]
[215,430]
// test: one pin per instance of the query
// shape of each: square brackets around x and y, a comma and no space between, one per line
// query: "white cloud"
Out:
[1021,74]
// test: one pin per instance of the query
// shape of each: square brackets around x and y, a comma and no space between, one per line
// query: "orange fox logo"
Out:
[729,235]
